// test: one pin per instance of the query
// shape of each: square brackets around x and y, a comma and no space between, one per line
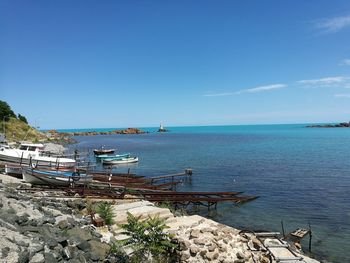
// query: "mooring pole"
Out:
[310,237]
[284,235]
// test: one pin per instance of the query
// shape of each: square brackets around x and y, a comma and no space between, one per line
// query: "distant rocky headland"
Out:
[92,133]
[339,125]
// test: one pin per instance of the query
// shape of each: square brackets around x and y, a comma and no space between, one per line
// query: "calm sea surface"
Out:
[302,175]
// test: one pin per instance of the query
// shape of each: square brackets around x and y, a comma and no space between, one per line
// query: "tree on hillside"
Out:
[22,118]
[6,111]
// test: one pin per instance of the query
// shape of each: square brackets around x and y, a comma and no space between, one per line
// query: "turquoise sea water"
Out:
[302,175]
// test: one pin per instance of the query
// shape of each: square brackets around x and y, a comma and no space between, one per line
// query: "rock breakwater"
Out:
[36,229]
[40,226]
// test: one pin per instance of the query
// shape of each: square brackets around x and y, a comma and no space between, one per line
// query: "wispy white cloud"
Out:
[263,88]
[252,90]
[345,62]
[342,95]
[325,82]
[334,24]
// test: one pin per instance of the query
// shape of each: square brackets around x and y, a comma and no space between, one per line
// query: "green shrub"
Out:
[148,238]
[104,209]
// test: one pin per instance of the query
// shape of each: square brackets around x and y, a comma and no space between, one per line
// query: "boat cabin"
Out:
[31,147]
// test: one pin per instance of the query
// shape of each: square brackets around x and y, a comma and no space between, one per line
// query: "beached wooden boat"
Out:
[56,178]
[122,160]
[15,169]
[103,151]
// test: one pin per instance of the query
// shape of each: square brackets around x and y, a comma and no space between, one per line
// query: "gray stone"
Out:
[199,241]
[81,257]
[23,256]
[203,253]
[256,243]
[240,261]
[5,251]
[49,258]
[195,233]
[76,241]
[212,255]
[63,224]
[85,246]
[84,234]
[51,242]
[22,220]
[35,248]
[62,240]
[207,230]
[100,249]
[184,244]
[96,234]
[185,256]
[222,249]
[211,247]
[37,258]
[240,255]
[194,250]
[66,253]
[94,256]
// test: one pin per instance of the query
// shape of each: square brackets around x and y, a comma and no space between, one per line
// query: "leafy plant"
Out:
[148,239]
[104,209]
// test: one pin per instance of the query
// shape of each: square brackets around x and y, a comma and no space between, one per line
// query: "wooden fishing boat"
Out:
[122,160]
[103,151]
[114,156]
[55,178]
[15,169]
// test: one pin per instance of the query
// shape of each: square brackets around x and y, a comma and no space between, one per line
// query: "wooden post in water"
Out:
[284,235]
[310,237]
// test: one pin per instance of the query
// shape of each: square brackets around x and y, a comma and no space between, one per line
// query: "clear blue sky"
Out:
[79,64]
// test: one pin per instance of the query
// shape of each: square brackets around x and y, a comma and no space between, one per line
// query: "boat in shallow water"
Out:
[112,156]
[55,178]
[122,160]
[31,153]
[102,151]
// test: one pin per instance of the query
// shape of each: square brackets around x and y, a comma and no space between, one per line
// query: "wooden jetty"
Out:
[155,189]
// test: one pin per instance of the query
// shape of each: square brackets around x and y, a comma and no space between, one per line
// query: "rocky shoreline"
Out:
[56,134]
[339,125]
[38,226]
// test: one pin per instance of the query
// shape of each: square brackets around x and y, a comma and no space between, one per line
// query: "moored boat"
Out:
[56,178]
[103,151]
[113,156]
[123,160]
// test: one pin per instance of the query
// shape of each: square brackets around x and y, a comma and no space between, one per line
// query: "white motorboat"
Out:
[31,153]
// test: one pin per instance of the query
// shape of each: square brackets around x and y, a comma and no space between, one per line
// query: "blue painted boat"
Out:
[116,156]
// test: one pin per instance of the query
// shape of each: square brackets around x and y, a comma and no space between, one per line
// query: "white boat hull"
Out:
[38,160]
[121,161]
